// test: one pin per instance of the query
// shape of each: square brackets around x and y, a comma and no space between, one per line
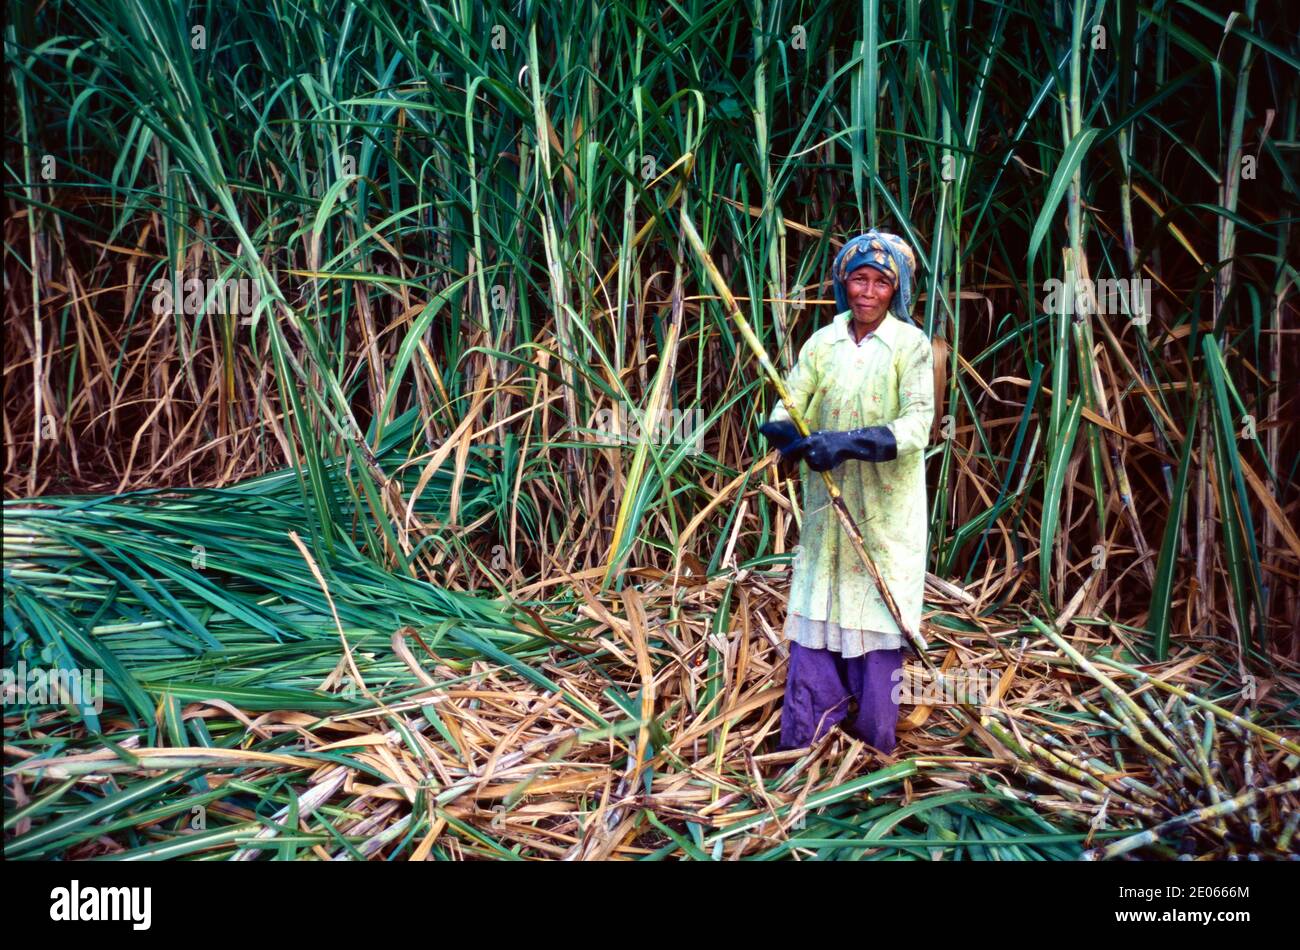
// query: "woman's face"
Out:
[869,292]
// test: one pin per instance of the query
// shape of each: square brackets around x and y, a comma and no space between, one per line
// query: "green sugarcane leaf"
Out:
[1052,487]
[1070,161]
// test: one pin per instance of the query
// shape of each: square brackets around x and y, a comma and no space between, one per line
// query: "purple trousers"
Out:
[819,686]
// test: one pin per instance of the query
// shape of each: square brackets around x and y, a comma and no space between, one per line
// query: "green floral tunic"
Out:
[837,383]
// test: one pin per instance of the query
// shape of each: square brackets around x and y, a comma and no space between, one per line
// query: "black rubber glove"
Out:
[785,437]
[827,448]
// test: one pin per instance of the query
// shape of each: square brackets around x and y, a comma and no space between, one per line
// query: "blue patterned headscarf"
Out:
[887,253]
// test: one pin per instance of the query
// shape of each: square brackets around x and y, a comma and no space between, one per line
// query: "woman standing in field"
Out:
[864,383]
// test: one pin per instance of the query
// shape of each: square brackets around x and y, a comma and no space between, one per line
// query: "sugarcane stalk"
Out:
[1004,736]
[1113,739]
[1267,734]
[1138,712]
[1109,720]
[1210,742]
[1288,830]
[1050,748]
[1075,792]
[1038,801]
[1203,762]
[1216,769]
[1248,775]
[1155,758]
[1134,731]
[1104,770]
[1106,719]
[837,499]
[1206,813]
[1172,730]
[1086,776]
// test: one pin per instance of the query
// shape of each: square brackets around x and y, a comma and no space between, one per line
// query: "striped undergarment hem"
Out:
[829,635]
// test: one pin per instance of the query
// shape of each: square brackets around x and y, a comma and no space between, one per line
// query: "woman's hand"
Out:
[785,437]
[827,448]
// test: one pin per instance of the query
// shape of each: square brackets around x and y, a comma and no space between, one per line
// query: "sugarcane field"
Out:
[627,431]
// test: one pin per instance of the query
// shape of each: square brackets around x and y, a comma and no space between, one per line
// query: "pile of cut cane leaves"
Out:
[261,702]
